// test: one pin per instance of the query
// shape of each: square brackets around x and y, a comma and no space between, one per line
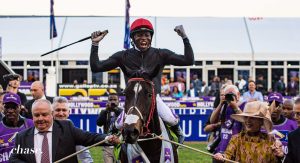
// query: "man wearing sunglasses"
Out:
[280,123]
[11,124]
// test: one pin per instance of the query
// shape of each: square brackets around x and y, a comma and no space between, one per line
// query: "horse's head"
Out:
[139,107]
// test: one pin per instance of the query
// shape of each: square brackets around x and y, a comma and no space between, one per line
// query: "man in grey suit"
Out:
[61,111]
[51,140]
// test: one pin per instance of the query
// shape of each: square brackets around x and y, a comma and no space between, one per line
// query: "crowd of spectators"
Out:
[177,87]
[241,122]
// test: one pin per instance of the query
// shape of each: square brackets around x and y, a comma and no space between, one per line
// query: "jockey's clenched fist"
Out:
[180,31]
[98,36]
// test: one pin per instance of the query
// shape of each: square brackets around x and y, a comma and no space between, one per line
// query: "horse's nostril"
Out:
[136,132]
[131,135]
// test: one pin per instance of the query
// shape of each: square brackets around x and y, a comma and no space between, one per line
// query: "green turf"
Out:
[185,155]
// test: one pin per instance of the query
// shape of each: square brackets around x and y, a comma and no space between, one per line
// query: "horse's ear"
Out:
[155,72]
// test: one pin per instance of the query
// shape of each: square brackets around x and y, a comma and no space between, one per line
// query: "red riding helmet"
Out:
[141,25]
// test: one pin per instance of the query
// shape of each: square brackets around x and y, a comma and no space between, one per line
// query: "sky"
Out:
[167,8]
[208,35]
[211,38]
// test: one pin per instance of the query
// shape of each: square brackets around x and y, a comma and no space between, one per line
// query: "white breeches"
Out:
[165,113]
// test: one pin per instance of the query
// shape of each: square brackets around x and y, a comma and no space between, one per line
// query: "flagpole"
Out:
[59,45]
[51,42]
[155,22]
[51,79]
[52,29]
[52,62]
[126,44]
[251,46]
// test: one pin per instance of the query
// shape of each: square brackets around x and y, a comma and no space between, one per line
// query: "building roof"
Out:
[26,38]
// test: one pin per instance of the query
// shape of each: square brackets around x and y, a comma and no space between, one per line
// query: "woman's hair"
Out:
[176,88]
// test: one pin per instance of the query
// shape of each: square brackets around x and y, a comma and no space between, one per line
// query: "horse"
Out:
[142,122]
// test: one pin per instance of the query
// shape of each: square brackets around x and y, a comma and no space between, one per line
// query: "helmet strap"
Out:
[132,44]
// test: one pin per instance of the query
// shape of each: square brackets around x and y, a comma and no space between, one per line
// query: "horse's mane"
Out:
[141,74]
[145,74]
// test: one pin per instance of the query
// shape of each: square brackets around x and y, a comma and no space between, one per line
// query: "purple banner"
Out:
[91,107]
[6,145]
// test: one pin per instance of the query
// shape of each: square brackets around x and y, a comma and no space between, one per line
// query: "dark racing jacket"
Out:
[132,60]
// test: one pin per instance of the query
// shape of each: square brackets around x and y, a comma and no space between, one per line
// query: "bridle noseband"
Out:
[152,107]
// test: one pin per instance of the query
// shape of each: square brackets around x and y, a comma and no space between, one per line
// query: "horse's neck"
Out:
[154,125]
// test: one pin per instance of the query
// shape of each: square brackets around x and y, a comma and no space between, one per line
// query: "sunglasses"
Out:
[11,106]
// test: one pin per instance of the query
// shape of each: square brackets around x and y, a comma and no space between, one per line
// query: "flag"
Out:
[53,32]
[127,27]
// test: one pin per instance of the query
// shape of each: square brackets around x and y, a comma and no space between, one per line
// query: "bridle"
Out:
[152,107]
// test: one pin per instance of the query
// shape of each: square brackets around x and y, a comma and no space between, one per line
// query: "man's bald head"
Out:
[287,108]
[37,90]
[40,102]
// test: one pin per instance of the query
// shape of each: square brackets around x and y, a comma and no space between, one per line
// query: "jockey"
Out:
[146,58]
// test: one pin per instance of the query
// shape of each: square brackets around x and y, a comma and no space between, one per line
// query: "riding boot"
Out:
[178,132]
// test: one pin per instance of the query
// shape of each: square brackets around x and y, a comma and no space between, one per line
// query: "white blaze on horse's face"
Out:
[131,119]
[137,88]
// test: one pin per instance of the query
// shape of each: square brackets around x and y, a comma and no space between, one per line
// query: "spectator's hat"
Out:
[11,97]
[275,97]
[256,109]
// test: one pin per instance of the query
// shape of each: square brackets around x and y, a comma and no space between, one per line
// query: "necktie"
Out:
[112,121]
[45,149]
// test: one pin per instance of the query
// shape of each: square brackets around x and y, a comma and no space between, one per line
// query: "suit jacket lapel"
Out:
[30,141]
[55,138]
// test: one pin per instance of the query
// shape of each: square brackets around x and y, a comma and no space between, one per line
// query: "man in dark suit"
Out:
[280,86]
[293,87]
[293,138]
[38,92]
[51,140]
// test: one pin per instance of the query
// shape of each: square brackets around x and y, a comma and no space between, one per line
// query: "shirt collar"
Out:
[36,131]
[44,97]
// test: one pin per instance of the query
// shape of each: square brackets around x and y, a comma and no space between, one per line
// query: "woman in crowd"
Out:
[252,145]
[176,92]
